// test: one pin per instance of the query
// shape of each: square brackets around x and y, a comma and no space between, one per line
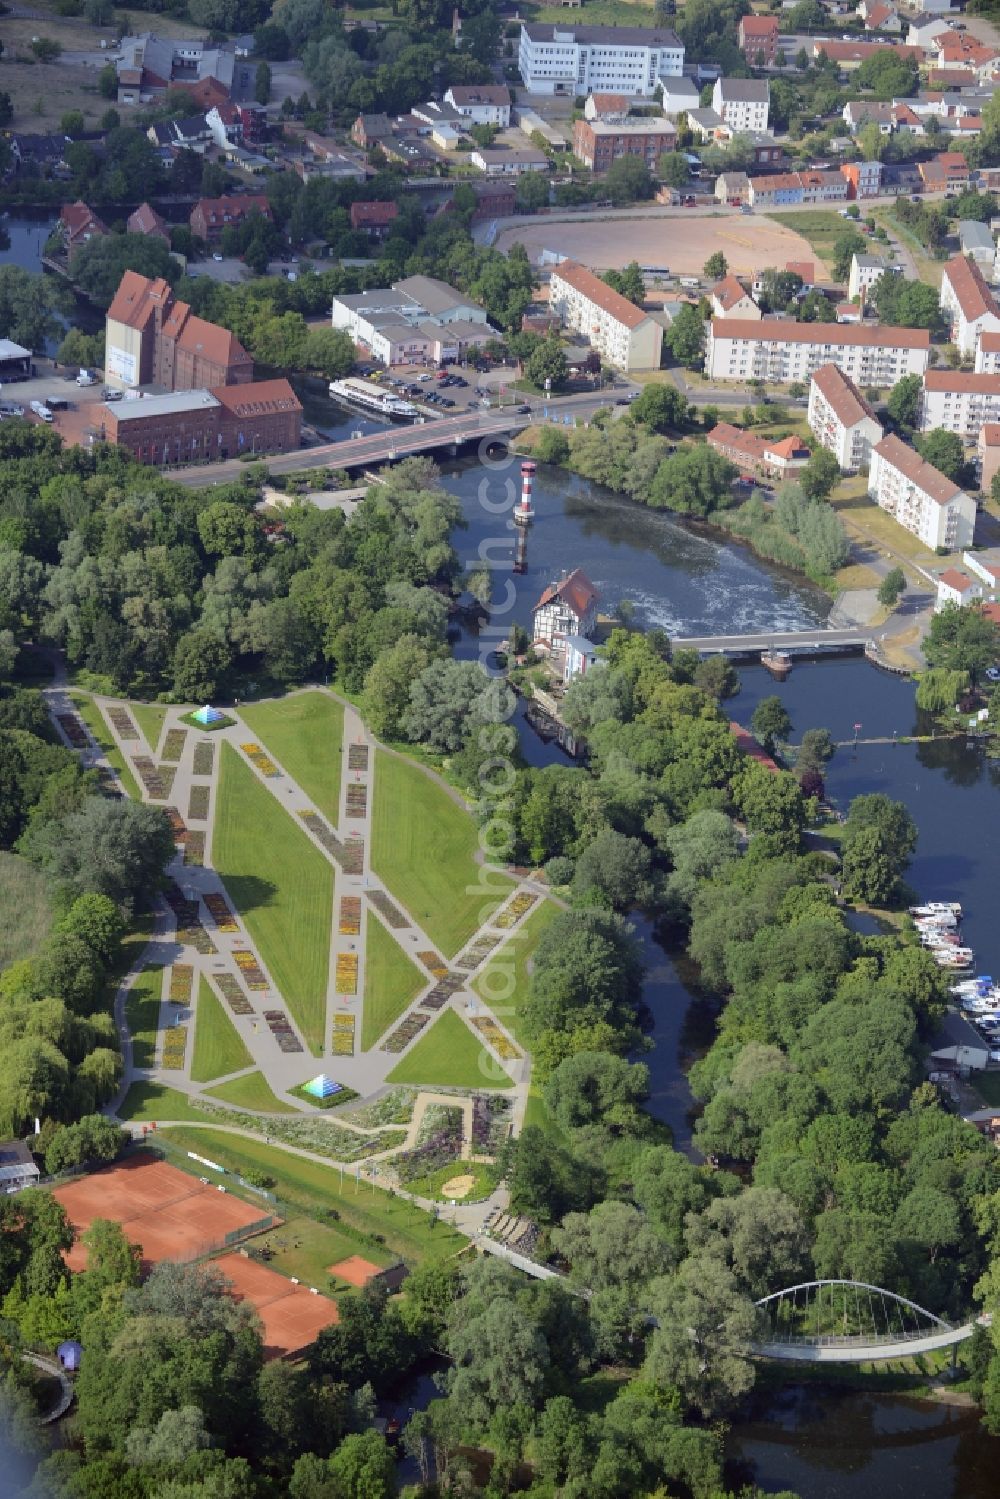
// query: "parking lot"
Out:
[82,410]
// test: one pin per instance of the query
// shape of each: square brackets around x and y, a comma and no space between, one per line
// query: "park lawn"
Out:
[392,982]
[218,1047]
[25,912]
[150,718]
[250,1092]
[306,1249]
[148,1103]
[494,983]
[928,269]
[864,519]
[311,1186]
[282,887]
[987,1085]
[822,227]
[423,847]
[142,1011]
[94,719]
[448,1055]
[486,1178]
[305,735]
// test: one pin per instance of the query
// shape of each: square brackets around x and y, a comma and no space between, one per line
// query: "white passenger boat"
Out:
[368,396]
[938,908]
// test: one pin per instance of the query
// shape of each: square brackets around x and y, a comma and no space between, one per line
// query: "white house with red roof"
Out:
[566,608]
[956,587]
[730,298]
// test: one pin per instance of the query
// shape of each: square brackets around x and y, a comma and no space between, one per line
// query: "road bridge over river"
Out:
[385,446]
[803,641]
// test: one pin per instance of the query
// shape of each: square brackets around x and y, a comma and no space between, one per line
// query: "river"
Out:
[821,1443]
[22,240]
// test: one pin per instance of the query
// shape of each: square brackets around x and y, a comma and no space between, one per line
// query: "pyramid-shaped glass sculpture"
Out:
[321,1087]
[207,715]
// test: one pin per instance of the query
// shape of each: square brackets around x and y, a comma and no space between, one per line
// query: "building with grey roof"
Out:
[977,240]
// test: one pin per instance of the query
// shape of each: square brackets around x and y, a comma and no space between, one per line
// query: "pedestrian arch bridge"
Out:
[850,1322]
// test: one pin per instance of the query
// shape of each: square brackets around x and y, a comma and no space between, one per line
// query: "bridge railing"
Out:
[853,1340]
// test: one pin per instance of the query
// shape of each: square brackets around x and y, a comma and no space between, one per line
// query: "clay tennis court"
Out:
[355,1270]
[170,1215]
[291,1316]
[682,241]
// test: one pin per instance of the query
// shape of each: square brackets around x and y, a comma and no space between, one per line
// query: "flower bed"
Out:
[174,1048]
[479,952]
[280,1027]
[491,1122]
[342,1041]
[122,723]
[74,730]
[512,913]
[198,803]
[260,760]
[386,909]
[439,1143]
[322,1136]
[433,963]
[221,914]
[357,757]
[194,849]
[347,973]
[228,986]
[173,745]
[350,855]
[401,1037]
[495,1037]
[357,800]
[350,915]
[177,824]
[394,1107]
[204,757]
[190,931]
[253,974]
[181,983]
[442,991]
[158,780]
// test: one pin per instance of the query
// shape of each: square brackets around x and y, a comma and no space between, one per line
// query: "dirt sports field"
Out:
[681,240]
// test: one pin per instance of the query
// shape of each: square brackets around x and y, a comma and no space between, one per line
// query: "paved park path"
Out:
[200,945]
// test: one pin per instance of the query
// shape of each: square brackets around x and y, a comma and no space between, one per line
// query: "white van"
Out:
[86,377]
[42,412]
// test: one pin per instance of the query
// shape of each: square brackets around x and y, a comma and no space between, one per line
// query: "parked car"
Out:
[993,674]
[218,257]
[110,394]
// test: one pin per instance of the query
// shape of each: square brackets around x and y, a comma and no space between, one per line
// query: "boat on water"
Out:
[954,957]
[778,663]
[938,908]
[370,397]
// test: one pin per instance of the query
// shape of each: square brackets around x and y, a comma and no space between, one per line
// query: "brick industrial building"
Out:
[152,339]
[198,426]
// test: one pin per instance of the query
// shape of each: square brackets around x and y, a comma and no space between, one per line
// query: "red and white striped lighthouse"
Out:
[523,511]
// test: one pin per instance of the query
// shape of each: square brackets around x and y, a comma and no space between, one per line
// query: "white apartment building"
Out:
[622,333]
[742,103]
[866,270]
[960,401]
[481,103]
[568,59]
[920,497]
[988,354]
[774,350]
[841,419]
[968,303]
[418,320]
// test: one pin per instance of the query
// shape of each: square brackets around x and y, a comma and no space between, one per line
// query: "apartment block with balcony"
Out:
[743,103]
[841,419]
[777,351]
[622,333]
[570,59]
[919,497]
[960,401]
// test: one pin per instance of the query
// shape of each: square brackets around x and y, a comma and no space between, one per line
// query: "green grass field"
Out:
[25,913]
[424,847]
[306,1249]
[150,718]
[142,1011]
[820,226]
[448,1055]
[406,1230]
[431,1186]
[218,1047]
[391,981]
[282,887]
[304,734]
[94,719]
[146,1103]
[250,1092]
[505,981]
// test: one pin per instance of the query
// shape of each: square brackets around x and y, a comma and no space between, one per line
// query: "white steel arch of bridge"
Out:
[834,1348]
